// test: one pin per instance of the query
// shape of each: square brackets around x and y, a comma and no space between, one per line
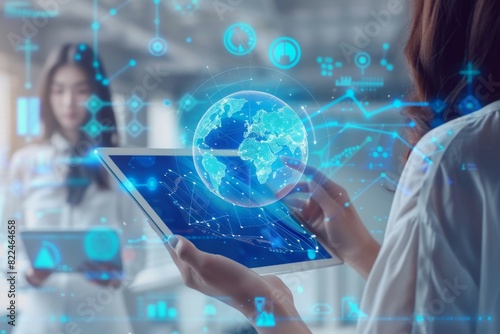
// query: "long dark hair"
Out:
[83,57]
[445,37]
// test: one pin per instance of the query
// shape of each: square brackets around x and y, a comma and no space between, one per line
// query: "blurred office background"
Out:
[327,32]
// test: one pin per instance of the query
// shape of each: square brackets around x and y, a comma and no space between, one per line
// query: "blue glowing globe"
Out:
[238,145]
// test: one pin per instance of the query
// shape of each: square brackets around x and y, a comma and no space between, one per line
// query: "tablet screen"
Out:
[254,237]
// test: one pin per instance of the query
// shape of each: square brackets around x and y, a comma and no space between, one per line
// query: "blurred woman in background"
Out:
[57,184]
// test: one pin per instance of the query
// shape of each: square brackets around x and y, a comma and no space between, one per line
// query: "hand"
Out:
[93,269]
[220,277]
[36,277]
[330,215]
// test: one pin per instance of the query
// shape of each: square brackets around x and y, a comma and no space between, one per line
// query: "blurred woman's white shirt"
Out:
[67,302]
[439,267]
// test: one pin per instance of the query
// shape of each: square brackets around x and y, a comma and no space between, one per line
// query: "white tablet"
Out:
[167,187]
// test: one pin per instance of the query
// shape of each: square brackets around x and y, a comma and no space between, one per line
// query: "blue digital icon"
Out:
[157,46]
[362,61]
[350,309]
[93,128]
[470,73]
[328,65]
[389,67]
[321,309]
[187,102]
[101,244]
[344,82]
[48,256]
[135,128]
[94,104]
[134,104]
[311,254]
[28,117]
[240,39]
[185,6]
[264,318]
[416,320]
[152,183]
[160,311]
[285,52]
[469,105]
[380,152]
[438,106]
[210,310]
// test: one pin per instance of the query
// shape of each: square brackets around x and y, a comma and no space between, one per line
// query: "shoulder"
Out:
[466,130]
[444,159]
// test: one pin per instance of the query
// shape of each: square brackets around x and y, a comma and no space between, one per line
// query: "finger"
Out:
[300,187]
[324,200]
[186,251]
[184,268]
[302,191]
[214,270]
[303,206]
[321,179]
[311,215]
[306,188]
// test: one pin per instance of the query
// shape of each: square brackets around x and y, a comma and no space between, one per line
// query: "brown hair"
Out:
[82,56]
[446,36]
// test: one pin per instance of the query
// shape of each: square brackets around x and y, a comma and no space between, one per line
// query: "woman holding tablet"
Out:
[58,185]
[437,270]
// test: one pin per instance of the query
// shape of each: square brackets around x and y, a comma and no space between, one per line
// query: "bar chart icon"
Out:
[160,311]
[28,117]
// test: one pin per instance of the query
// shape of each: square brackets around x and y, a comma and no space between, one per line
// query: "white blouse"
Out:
[37,200]
[439,267]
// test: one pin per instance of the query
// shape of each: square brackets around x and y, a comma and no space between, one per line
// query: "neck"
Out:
[71,135]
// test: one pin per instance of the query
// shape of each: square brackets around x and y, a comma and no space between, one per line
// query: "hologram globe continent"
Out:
[238,145]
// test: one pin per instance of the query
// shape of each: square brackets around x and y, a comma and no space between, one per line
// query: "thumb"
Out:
[185,250]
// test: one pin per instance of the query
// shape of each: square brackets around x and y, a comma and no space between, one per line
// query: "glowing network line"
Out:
[349,95]
[28,48]
[225,225]
[157,17]
[114,11]
[347,153]
[130,64]
[95,35]
[397,104]
[157,45]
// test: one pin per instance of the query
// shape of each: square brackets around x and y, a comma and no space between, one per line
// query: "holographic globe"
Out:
[241,145]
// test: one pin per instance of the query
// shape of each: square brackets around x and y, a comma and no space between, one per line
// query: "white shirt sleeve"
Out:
[437,271]
[389,295]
